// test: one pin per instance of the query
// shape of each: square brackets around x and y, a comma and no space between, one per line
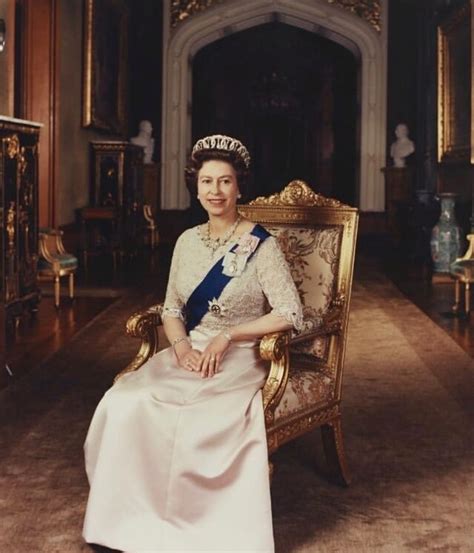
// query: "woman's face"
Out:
[217,187]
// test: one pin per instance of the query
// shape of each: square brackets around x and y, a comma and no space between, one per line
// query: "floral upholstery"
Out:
[313,255]
[305,388]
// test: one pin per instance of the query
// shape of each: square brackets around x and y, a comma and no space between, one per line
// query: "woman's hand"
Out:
[212,356]
[188,358]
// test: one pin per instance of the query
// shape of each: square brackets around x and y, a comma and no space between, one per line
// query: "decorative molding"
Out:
[181,10]
[13,146]
[369,10]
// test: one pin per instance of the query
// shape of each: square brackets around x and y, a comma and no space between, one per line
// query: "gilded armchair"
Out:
[55,261]
[303,387]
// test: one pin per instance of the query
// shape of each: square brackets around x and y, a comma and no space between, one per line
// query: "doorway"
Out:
[291,96]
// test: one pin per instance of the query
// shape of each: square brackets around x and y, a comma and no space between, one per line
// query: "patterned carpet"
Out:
[408,422]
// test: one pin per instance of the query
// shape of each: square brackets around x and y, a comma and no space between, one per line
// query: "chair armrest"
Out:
[143,325]
[274,348]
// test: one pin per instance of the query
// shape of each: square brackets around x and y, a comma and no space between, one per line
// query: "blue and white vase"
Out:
[446,235]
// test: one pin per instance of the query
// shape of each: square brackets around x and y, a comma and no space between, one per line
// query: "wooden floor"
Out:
[37,339]
[436,298]
[432,293]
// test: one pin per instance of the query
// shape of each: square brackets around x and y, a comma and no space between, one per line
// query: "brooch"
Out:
[235,261]
[214,307]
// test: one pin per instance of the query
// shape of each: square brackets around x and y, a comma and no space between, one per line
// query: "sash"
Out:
[213,284]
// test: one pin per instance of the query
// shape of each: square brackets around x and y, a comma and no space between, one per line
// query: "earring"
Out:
[239,195]
[197,196]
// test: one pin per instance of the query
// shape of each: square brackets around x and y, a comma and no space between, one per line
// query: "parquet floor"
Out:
[37,338]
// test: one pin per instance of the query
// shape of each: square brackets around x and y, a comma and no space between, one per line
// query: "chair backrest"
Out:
[48,244]
[317,236]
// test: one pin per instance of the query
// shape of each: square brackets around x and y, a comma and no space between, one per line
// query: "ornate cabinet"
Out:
[117,184]
[18,222]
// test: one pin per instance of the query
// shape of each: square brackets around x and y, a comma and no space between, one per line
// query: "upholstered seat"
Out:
[64,261]
[55,262]
[304,385]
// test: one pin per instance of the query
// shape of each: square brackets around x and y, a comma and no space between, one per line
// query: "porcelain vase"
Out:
[446,235]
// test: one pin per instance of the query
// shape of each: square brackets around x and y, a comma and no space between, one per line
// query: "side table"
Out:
[101,233]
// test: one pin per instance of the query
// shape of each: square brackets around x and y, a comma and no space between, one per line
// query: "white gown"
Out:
[178,463]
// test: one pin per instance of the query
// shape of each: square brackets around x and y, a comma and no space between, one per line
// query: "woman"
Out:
[176,453]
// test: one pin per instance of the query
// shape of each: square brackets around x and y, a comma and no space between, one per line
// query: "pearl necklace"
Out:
[215,243]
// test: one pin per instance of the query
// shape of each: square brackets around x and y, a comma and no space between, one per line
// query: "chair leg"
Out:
[334,451]
[152,239]
[84,261]
[71,286]
[457,296]
[57,290]
[467,298]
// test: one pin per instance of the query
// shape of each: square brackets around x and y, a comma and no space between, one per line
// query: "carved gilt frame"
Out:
[104,95]
[455,88]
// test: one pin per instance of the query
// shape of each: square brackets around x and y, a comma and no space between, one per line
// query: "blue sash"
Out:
[213,284]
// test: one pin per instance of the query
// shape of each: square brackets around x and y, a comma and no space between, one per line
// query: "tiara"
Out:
[222,142]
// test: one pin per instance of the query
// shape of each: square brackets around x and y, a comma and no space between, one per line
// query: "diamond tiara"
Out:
[222,142]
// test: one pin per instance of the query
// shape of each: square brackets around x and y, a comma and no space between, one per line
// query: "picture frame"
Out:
[455,91]
[104,105]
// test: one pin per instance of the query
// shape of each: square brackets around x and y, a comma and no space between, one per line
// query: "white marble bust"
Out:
[402,147]
[145,140]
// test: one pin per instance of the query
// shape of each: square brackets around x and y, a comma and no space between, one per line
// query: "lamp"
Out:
[2,34]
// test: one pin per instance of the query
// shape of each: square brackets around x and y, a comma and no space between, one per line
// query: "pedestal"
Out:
[399,185]
[151,186]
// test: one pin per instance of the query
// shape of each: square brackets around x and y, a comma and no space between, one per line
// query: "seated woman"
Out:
[176,453]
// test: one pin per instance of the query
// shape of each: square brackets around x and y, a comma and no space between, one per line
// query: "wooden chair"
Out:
[55,262]
[150,226]
[304,384]
[462,271]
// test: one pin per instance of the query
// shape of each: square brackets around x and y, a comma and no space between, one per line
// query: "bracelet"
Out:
[178,340]
[227,335]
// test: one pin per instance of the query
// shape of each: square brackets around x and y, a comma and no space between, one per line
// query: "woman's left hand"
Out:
[213,355]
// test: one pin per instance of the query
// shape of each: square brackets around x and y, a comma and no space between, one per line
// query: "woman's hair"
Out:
[198,158]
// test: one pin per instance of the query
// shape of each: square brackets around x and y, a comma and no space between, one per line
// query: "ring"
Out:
[212,358]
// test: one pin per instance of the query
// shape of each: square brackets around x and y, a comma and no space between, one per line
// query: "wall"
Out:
[7,12]
[146,47]
[412,97]
[73,145]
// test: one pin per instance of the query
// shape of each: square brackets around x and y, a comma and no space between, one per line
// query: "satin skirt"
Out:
[179,463]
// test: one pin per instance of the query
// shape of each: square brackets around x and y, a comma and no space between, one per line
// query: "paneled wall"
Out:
[73,140]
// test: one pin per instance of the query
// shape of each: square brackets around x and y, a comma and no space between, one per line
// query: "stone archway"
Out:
[236,15]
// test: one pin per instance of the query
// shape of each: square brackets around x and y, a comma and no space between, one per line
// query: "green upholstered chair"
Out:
[55,262]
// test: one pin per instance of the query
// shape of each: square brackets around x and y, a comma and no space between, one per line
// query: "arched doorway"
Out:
[233,16]
[291,96]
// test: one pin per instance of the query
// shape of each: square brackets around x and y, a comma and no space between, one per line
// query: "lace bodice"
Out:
[264,286]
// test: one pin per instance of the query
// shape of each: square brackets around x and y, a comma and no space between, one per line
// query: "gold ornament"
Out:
[297,193]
